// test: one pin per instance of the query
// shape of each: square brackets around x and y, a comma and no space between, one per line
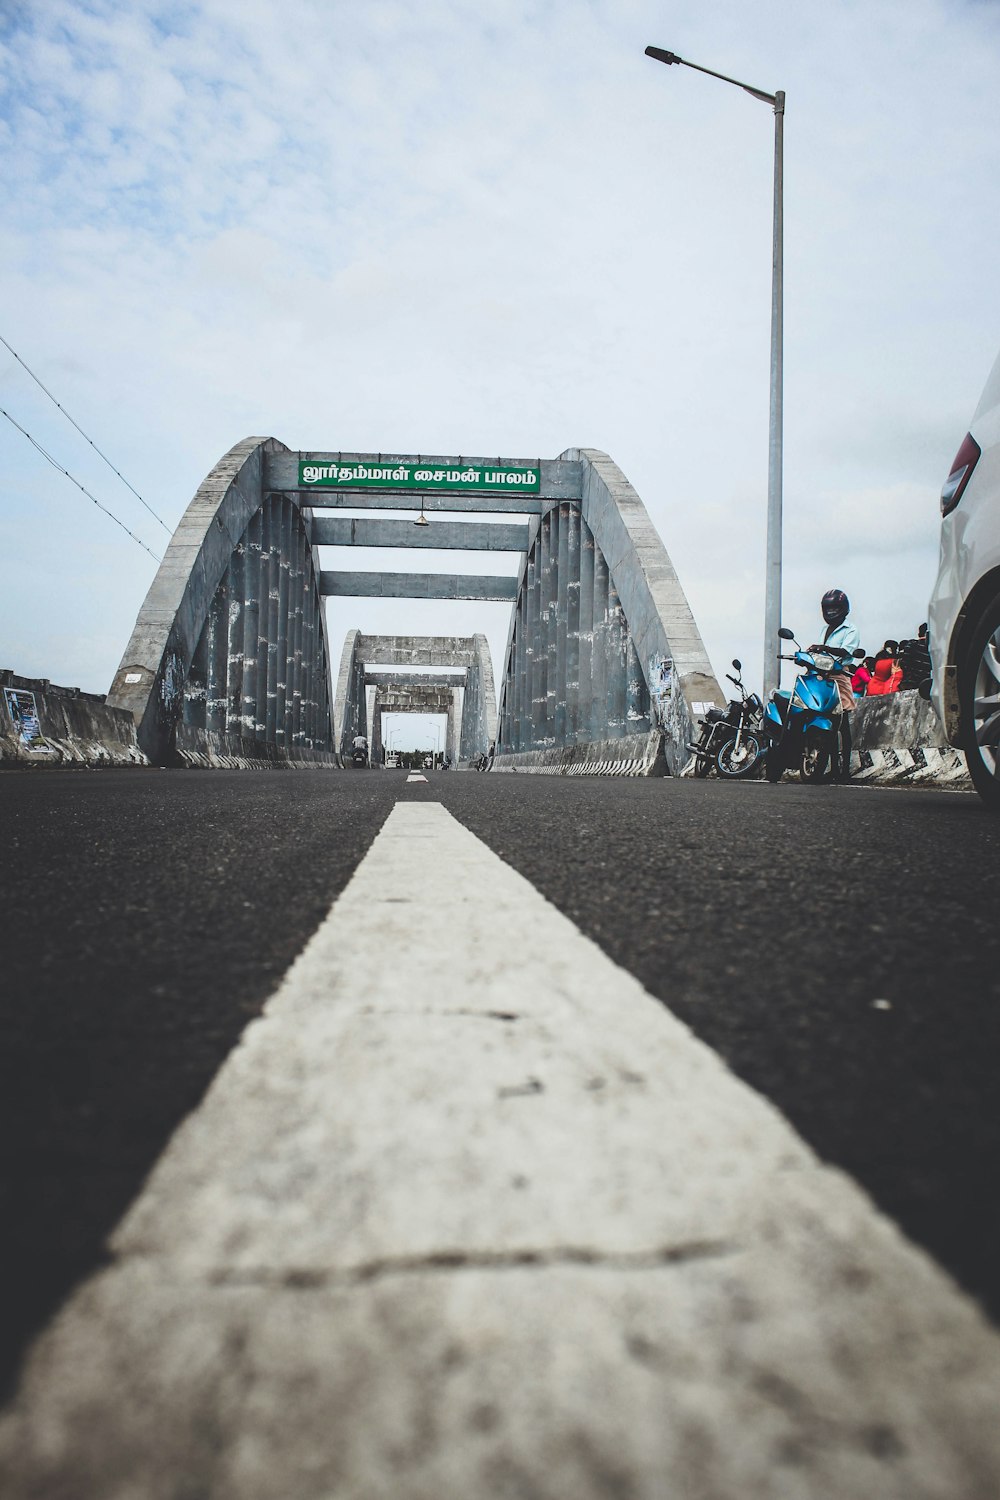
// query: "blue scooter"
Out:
[802,723]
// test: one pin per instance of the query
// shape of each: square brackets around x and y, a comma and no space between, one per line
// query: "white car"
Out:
[964,613]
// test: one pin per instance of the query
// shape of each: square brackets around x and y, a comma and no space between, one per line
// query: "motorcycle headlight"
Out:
[824,662]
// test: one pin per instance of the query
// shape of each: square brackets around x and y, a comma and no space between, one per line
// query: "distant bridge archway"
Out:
[399,669]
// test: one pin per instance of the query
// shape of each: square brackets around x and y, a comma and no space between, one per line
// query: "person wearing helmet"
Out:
[835,607]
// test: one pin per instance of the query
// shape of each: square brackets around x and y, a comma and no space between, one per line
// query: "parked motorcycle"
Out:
[730,739]
[802,723]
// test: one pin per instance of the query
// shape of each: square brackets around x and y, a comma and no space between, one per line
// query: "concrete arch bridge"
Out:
[229,660]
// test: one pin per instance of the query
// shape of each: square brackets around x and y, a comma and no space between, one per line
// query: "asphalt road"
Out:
[837,946]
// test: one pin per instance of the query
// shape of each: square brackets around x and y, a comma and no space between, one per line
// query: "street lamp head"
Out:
[662,56]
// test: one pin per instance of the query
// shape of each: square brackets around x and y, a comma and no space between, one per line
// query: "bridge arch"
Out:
[229,651]
[602,644]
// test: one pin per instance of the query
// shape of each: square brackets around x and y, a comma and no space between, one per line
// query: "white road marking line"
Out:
[416,777]
[468,1212]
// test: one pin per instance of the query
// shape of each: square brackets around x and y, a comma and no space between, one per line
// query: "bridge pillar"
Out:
[538,615]
[599,671]
[572,627]
[561,616]
[552,627]
[585,716]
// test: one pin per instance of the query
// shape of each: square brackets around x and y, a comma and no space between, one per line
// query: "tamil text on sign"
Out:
[417,476]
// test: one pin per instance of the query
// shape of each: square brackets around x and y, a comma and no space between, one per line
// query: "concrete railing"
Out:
[45,725]
[631,755]
[899,738]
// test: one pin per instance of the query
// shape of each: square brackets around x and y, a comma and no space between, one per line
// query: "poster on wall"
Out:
[661,686]
[23,713]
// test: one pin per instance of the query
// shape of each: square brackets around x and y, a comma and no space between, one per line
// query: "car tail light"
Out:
[961,471]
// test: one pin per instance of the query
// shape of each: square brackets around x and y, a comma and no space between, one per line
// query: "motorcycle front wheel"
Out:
[815,757]
[733,763]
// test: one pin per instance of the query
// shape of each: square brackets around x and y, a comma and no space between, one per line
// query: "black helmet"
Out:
[835,606]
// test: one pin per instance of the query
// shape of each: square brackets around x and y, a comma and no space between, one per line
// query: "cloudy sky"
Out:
[456,226]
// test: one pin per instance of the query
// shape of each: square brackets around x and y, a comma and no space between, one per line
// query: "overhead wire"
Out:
[84,435]
[57,465]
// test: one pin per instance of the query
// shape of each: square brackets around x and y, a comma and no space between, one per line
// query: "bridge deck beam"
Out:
[469,536]
[416,586]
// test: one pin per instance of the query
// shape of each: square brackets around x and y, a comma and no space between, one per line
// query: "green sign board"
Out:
[371,475]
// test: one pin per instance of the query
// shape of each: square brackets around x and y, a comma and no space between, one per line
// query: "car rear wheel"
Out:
[979,701]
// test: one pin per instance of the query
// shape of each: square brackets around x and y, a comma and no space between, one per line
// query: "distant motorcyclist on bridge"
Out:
[840,633]
[359,750]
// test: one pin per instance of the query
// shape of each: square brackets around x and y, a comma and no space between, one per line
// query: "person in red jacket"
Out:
[863,676]
[887,674]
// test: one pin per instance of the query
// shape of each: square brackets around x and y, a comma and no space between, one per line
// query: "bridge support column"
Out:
[539,650]
[527,659]
[281,604]
[216,660]
[309,696]
[552,629]
[599,669]
[521,670]
[586,640]
[636,694]
[451,745]
[573,523]
[562,622]
[196,688]
[297,585]
[616,653]
[251,626]
[234,639]
[375,738]
[263,614]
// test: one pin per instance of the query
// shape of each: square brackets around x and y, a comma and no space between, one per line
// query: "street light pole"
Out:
[772,564]
[772,576]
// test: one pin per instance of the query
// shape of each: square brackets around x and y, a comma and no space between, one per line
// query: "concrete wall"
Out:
[74,728]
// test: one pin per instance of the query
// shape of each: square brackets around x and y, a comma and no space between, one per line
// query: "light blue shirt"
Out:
[848,638]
